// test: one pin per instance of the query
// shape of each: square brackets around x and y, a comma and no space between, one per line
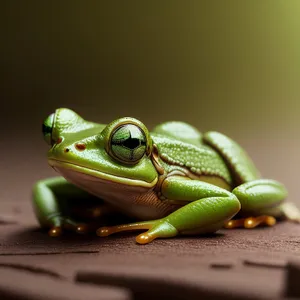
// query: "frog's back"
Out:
[195,161]
[179,131]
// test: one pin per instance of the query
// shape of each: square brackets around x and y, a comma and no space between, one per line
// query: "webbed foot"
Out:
[250,222]
[156,229]
[290,212]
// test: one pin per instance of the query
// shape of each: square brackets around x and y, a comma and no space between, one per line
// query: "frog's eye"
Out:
[47,129]
[128,143]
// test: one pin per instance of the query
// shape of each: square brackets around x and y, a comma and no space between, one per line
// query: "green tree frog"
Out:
[172,181]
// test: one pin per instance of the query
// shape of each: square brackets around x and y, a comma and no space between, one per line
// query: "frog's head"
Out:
[118,153]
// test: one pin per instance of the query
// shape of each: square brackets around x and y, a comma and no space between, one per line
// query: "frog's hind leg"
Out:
[290,212]
[261,202]
[260,198]
[240,164]
[285,211]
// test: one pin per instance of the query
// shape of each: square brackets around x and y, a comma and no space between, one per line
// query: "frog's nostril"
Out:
[66,150]
[80,146]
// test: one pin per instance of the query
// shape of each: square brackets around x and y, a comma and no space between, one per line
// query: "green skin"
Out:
[175,180]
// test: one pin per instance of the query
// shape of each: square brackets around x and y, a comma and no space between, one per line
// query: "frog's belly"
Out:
[138,202]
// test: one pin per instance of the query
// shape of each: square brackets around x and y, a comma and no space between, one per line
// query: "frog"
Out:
[171,181]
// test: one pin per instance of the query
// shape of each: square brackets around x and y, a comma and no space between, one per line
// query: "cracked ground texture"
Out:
[229,66]
[232,264]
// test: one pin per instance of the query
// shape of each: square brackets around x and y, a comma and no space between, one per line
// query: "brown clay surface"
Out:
[228,67]
[233,264]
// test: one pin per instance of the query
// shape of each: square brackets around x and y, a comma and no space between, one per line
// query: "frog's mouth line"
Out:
[104,176]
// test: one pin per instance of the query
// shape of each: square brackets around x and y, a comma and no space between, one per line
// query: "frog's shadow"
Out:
[34,240]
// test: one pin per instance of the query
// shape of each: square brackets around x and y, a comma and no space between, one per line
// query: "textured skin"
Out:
[179,131]
[202,212]
[200,160]
[238,161]
[261,194]
[186,183]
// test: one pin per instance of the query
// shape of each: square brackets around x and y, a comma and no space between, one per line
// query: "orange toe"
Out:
[144,238]
[82,228]
[55,231]
[103,231]
[270,221]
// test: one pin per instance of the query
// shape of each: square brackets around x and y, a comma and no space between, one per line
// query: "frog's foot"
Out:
[250,222]
[59,223]
[290,212]
[156,229]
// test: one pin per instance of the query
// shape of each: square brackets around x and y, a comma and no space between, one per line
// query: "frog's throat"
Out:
[104,176]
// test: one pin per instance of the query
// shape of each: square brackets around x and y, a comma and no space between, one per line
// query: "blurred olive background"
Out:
[231,66]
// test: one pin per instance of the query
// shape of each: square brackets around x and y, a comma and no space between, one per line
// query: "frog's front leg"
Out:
[209,208]
[52,198]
